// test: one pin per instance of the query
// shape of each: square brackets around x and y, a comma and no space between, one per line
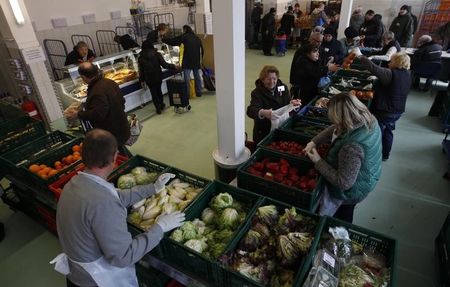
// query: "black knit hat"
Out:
[329,31]
[350,32]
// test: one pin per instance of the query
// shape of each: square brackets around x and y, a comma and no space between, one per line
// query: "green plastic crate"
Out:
[195,263]
[137,160]
[234,278]
[14,133]
[304,126]
[31,151]
[149,276]
[282,135]
[49,160]
[370,240]
[353,73]
[273,189]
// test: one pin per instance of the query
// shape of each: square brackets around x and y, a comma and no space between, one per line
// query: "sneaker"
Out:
[385,158]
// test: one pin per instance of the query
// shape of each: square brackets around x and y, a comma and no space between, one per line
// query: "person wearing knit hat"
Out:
[403,26]
[351,40]
[332,50]
[428,51]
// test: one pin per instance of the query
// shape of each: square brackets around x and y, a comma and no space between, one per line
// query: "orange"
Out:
[57,163]
[52,172]
[43,166]
[76,157]
[76,153]
[34,168]
[76,148]
[69,159]
[45,170]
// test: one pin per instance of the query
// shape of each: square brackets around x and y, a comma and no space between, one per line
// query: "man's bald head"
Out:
[99,148]
[88,70]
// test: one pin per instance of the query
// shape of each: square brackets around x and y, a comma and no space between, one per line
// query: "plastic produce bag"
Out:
[135,129]
[341,246]
[280,116]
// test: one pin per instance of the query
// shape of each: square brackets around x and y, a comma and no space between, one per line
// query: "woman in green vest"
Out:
[352,166]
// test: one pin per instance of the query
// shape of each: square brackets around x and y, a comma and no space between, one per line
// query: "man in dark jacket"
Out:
[81,53]
[391,92]
[158,34]
[192,58]
[268,32]
[287,22]
[255,20]
[403,26]
[126,42]
[332,49]
[415,20]
[105,105]
[150,73]
[428,52]
[443,34]
[371,30]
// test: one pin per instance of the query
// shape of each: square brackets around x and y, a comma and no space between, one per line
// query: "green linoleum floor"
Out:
[410,202]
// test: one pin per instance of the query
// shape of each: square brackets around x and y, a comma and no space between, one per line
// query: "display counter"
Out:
[120,67]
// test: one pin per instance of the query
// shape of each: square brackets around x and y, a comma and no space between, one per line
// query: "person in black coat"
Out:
[403,26]
[268,32]
[150,73]
[332,49]
[371,30]
[287,22]
[255,20]
[270,94]
[81,53]
[428,51]
[158,34]
[126,42]
[306,71]
[192,58]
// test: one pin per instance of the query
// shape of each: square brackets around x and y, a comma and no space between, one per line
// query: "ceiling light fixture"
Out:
[17,11]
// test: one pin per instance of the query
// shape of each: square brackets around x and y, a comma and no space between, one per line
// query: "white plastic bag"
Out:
[280,116]
[135,129]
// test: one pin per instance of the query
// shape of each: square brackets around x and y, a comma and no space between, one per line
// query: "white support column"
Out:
[229,60]
[22,37]
[345,14]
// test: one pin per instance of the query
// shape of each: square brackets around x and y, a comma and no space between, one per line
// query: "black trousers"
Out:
[295,93]
[345,212]
[267,43]
[255,32]
[157,96]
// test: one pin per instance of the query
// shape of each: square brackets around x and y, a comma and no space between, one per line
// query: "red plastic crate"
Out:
[48,217]
[57,186]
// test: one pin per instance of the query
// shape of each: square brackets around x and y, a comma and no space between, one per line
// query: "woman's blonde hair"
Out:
[348,113]
[400,60]
[267,70]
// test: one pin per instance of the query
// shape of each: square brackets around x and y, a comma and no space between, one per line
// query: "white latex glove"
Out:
[313,155]
[171,221]
[357,51]
[296,102]
[372,78]
[309,147]
[162,180]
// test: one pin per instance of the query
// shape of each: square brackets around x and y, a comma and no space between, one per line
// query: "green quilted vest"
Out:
[369,174]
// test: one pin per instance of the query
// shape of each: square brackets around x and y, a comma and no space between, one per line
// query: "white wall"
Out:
[42,11]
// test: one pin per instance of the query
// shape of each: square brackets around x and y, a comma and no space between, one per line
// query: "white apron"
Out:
[103,273]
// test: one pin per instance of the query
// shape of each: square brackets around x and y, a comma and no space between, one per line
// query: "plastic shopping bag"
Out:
[280,116]
[135,129]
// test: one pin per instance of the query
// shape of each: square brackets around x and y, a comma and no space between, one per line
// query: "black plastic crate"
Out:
[283,135]
[49,159]
[370,240]
[149,276]
[31,151]
[315,114]
[234,278]
[273,189]
[363,82]
[353,73]
[189,260]
[14,133]
[304,126]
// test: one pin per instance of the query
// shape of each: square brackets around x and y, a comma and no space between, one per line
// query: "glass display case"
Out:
[121,67]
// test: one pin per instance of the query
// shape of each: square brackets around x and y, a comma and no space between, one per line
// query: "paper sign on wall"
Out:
[33,55]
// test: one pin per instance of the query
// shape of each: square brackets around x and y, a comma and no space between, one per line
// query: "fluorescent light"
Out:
[17,11]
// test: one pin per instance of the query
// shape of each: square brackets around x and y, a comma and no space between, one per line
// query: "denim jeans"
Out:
[198,81]
[387,125]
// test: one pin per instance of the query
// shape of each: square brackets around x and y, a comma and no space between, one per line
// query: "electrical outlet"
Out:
[89,18]
[59,22]
[116,15]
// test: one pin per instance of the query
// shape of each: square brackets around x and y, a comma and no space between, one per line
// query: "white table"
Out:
[410,51]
